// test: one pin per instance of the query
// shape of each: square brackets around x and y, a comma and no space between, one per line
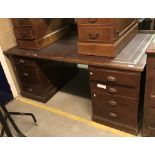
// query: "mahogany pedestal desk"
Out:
[117,84]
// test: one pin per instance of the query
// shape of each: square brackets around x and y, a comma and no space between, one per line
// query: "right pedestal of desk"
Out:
[117,97]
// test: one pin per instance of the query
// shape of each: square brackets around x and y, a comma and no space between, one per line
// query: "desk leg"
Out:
[5,125]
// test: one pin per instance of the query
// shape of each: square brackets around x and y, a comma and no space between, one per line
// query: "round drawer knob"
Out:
[94,95]
[21,61]
[26,74]
[112,90]
[91,73]
[113,115]
[111,79]
[30,89]
[112,103]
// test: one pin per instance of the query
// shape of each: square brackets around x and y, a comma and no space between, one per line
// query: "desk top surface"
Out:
[132,57]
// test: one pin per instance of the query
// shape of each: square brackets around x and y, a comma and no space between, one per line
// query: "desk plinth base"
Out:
[116,125]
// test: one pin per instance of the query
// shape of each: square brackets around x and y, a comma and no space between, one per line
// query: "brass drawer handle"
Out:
[112,103]
[117,33]
[26,74]
[92,20]
[93,36]
[22,61]
[111,79]
[113,115]
[30,89]
[112,90]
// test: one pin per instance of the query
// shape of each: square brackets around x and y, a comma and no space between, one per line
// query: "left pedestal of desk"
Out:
[40,79]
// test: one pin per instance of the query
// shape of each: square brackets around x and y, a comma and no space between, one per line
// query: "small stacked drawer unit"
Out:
[105,36]
[37,33]
[41,79]
[116,97]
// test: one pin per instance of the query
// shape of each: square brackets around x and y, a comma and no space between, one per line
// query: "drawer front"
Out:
[148,131]
[23,61]
[97,34]
[24,33]
[115,90]
[114,102]
[21,22]
[95,21]
[29,44]
[149,117]
[118,109]
[114,76]
[28,74]
[36,90]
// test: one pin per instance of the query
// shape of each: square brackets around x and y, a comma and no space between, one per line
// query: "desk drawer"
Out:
[115,108]
[95,21]
[115,90]
[115,115]
[21,22]
[36,90]
[28,74]
[24,33]
[114,102]
[149,118]
[30,44]
[97,34]
[22,61]
[114,76]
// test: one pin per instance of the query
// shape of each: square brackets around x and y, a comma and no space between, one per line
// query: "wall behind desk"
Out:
[7,40]
[7,37]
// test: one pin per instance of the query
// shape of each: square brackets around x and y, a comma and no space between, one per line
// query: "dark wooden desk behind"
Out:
[149,105]
[116,83]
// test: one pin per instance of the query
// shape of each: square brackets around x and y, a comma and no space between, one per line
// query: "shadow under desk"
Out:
[116,84]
